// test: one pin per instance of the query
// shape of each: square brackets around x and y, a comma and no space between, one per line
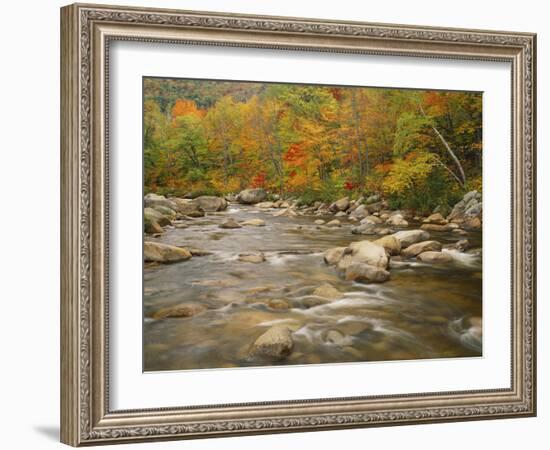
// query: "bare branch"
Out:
[447,147]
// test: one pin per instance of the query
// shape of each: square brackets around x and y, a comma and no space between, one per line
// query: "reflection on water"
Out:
[423,311]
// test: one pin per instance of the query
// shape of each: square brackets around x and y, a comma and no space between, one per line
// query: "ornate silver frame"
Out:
[86,31]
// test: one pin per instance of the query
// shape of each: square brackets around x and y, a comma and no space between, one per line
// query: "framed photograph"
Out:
[275,224]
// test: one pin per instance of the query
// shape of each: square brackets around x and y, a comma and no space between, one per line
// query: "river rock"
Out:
[365,273]
[436,218]
[360,212]
[265,205]
[320,222]
[252,196]
[435,257]
[376,207]
[459,232]
[198,251]
[343,264]
[152,215]
[333,255]
[278,304]
[340,214]
[253,223]
[151,200]
[189,208]
[210,203]
[164,253]
[151,226]
[336,337]
[372,199]
[472,224]
[287,212]
[390,243]
[167,212]
[420,247]
[340,205]
[364,229]
[327,291]
[435,227]
[368,252]
[275,344]
[372,219]
[470,206]
[229,224]
[461,245]
[410,237]
[397,220]
[334,223]
[182,310]
[473,209]
[252,257]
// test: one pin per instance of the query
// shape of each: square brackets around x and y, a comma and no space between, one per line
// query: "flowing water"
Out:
[421,312]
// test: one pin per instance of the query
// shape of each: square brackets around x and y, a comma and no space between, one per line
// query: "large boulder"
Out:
[152,215]
[164,253]
[183,310]
[435,257]
[333,255]
[365,273]
[151,200]
[420,247]
[410,237]
[189,208]
[340,205]
[390,243]
[165,211]
[210,203]
[470,206]
[151,226]
[360,212]
[252,196]
[275,344]
[368,252]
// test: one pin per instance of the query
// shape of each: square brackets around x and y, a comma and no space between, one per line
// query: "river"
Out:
[420,313]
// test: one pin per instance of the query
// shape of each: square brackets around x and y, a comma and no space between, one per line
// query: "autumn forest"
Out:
[307,224]
[419,149]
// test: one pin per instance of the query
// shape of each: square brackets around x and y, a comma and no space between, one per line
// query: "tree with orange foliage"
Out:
[184,107]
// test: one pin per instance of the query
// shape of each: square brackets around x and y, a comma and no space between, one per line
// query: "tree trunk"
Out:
[448,148]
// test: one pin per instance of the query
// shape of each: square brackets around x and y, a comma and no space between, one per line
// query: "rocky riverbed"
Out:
[244,281]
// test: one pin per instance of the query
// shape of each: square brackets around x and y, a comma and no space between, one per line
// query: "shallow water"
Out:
[419,313]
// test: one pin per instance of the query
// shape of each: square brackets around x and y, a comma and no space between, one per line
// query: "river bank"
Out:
[253,285]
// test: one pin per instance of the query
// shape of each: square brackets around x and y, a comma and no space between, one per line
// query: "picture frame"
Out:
[87,31]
